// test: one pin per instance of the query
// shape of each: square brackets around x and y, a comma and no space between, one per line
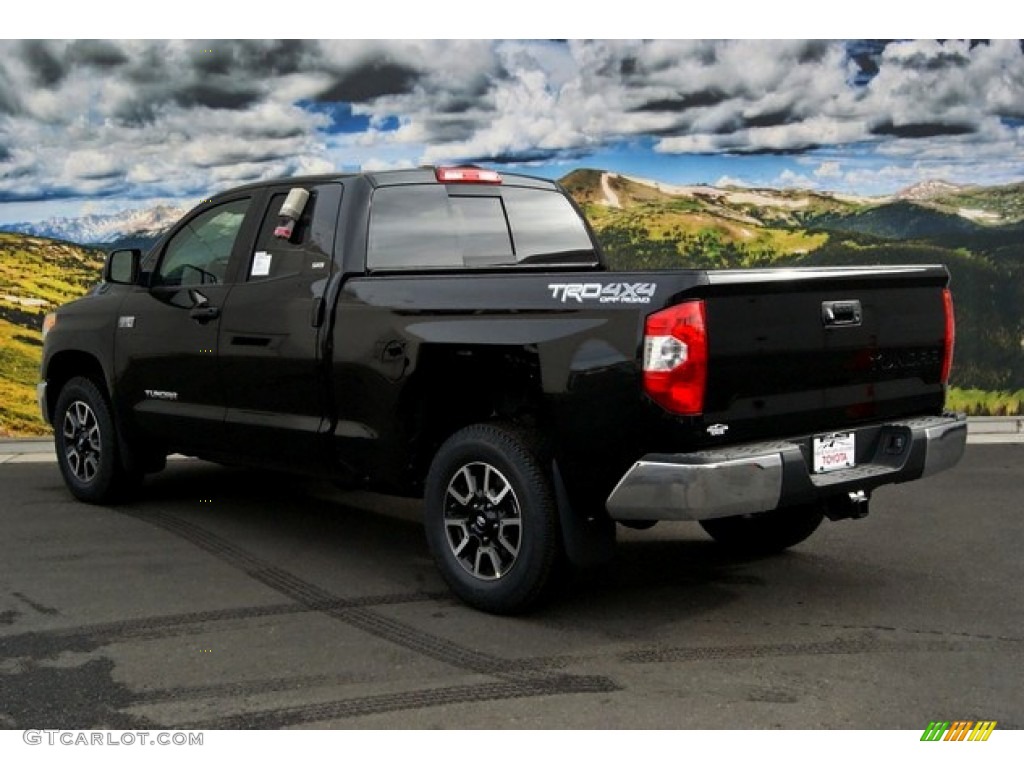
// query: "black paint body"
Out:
[334,369]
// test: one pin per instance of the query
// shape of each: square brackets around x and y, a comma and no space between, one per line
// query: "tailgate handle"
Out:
[841,313]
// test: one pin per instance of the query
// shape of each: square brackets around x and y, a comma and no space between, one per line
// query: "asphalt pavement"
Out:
[223,598]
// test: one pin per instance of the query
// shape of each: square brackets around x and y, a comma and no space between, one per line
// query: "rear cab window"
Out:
[462,226]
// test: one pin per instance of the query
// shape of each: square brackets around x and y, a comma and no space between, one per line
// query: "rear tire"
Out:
[491,518]
[87,447]
[765,533]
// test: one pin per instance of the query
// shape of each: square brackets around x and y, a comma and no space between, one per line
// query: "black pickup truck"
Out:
[453,333]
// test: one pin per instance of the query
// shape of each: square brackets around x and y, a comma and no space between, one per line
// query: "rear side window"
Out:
[433,227]
[274,257]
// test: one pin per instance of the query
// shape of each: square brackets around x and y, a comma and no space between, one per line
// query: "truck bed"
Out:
[775,366]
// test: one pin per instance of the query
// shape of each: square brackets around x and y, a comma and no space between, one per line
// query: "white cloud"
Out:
[828,170]
[731,181]
[378,164]
[790,179]
[163,118]
[92,164]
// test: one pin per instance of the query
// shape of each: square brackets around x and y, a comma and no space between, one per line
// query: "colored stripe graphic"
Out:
[982,730]
[959,730]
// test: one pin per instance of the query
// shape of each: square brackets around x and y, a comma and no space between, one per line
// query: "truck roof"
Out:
[423,175]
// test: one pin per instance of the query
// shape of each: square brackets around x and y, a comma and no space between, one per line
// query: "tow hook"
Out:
[853,505]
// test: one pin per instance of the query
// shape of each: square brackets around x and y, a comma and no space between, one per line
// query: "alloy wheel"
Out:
[81,433]
[483,521]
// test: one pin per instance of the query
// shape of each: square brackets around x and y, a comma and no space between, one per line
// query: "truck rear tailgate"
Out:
[799,351]
[821,385]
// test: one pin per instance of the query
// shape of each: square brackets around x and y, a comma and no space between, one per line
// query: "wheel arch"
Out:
[66,365]
[456,385]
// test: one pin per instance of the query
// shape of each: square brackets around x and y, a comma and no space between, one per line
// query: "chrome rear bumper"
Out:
[757,477]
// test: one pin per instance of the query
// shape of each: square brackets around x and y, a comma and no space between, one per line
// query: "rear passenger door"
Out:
[271,334]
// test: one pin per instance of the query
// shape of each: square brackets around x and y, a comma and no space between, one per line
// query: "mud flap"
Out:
[589,540]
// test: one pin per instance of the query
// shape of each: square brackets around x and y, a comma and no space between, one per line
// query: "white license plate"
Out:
[834,452]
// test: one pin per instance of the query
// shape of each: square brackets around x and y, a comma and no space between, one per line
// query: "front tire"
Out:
[87,447]
[765,533]
[491,518]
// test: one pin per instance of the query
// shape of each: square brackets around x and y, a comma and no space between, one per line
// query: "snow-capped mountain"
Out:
[141,223]
[928,190]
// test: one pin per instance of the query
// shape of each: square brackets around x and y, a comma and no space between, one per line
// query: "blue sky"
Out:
[98,126]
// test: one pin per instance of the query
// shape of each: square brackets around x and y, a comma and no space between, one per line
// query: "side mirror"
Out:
[122,267]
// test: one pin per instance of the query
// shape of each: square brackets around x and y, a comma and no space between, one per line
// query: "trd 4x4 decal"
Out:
[605,293]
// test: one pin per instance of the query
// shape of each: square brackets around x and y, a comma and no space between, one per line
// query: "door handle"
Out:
[841,313]
[204,314]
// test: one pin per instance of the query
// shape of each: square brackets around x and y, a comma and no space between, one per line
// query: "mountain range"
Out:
[748,216]
[924,209]
[97,228]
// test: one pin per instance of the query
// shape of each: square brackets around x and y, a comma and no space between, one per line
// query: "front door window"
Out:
[199,253]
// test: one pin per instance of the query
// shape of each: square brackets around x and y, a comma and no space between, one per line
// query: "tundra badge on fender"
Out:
[160,394]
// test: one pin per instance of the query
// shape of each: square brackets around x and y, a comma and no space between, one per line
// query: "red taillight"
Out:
[676,358]
[947,350]
[468,176]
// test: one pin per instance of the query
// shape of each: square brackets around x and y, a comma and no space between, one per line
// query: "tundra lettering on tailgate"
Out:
[610,293]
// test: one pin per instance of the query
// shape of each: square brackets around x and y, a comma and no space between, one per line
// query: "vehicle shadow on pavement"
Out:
[671,569]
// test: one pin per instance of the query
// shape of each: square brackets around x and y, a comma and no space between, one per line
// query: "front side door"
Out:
[271,352]
[167,337]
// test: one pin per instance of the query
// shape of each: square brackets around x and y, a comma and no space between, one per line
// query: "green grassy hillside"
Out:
[899,220]
[36,275]
[997,205]
[648,225]
[659,227]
